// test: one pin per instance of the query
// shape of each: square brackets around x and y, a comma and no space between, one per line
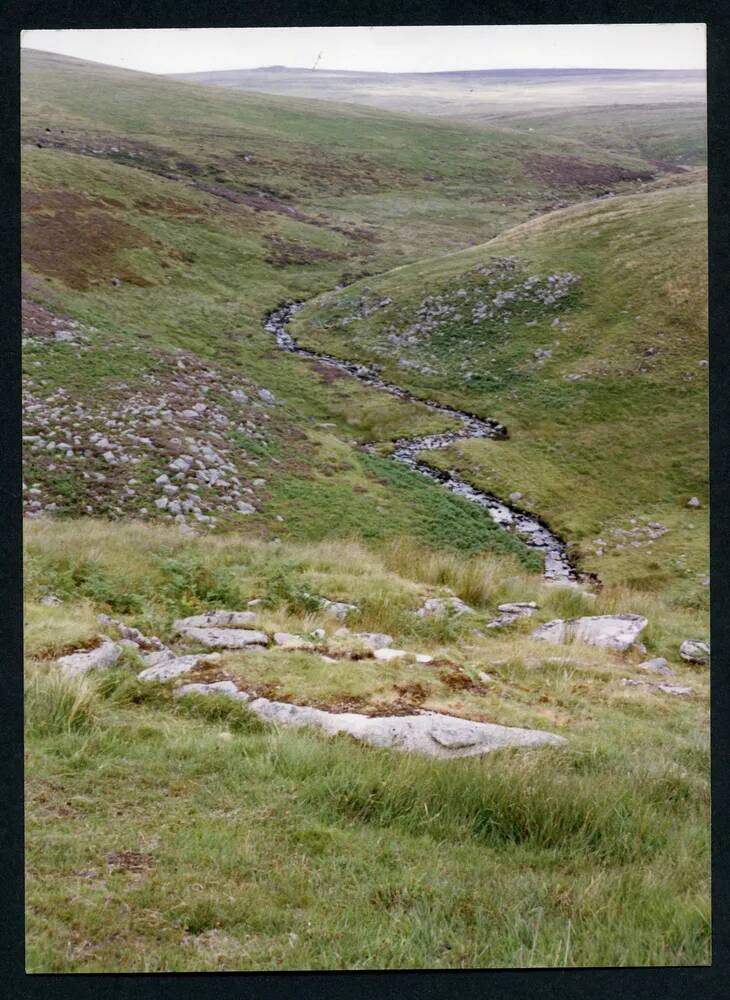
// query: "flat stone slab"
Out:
[217,619]
[611,631]
[226,638]
[375,640]
[525,608]
[288,641]
[166,669]
[656,666]
[395,654]
[429,733]
[102,657]
[676,689]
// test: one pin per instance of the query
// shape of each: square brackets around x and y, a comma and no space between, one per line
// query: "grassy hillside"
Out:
[399,184]
[585,333]
[168,835]
[659,114]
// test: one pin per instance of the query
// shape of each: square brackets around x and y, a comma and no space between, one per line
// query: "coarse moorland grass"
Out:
[280,850]
[167,835]
[608,385]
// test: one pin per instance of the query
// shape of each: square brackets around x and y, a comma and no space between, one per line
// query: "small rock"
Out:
[656,666]
[338,609]
[288,641]
[695,651]
[226,638]
[50,600]
[395,654]
[103,656]
[216,619]
[442,606]
[693,502]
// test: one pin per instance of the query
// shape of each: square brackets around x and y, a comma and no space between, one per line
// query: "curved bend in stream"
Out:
[536,535]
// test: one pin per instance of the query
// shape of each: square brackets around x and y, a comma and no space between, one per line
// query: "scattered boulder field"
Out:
[433,733]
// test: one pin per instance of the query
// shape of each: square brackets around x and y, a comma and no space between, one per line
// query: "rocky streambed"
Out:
[530,529]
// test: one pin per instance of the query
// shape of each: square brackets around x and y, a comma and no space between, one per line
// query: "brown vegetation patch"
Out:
[129,861]
[40,322]
[565,171]
[283,253]
[457,680]
[72,237]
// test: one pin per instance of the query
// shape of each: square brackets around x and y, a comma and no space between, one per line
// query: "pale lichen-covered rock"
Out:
[375,640]
[395,654]
[226,638]
[288,641]
[675,689]
[216,619]
[338,609]
[218,687]
[656,666]
[100,658]
[695,651]
[174,666]
[611,631]
[430,733]
[443,606]
[520,608]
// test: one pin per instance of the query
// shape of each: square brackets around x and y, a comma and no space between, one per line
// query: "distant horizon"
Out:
[392,49]
[336,69]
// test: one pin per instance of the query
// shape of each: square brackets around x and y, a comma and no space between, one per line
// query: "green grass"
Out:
[283,851]
[636,422]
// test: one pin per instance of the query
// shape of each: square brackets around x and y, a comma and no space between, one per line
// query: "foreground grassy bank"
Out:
[186,835]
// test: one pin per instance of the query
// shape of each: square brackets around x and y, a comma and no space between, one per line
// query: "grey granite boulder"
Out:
[226,638]
[695,651]
[429,733]
[611,631]
[217,619]
[100,658]
[656,666]
[443,606]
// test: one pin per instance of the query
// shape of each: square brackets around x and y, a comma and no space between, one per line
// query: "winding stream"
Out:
[533,532]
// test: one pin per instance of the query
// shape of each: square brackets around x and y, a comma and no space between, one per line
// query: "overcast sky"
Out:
[404,49]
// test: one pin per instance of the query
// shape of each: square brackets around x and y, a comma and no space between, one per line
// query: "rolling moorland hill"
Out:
[659,114]
[178,462]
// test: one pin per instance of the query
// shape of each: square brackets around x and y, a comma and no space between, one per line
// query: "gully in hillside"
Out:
[558,566]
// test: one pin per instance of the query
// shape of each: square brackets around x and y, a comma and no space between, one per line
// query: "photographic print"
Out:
[365,444]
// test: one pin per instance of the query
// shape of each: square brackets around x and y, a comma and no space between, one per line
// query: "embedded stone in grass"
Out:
[288,641]
[695,651]
[225,638]
[218,687]
[375,640]
[442,606]
[430,733]
[216,619]
[395,654]
[675,689]
[171,667]
[338,609]
[656,666]
[612,631]
[518,608]
[100,658]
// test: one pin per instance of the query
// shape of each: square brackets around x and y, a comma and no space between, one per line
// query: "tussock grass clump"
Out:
[55,704]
